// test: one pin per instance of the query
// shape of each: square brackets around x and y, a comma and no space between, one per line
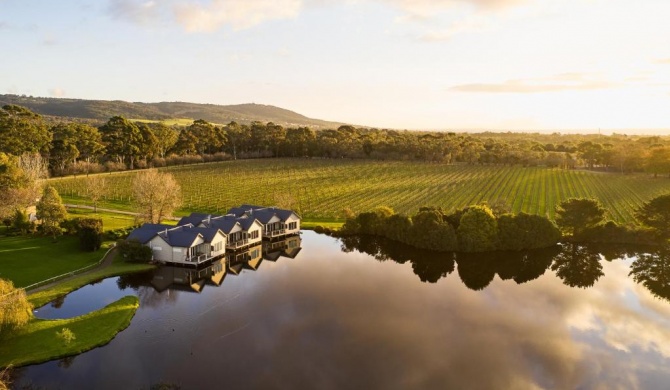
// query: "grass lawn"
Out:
[311,224]
[37,341]
[28,260]
[110,221]
[118,267]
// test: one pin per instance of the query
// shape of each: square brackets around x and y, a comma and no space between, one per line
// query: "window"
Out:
[217,247]
[292,226]
[254,234]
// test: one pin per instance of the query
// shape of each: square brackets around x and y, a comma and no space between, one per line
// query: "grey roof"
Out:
[207,233]
[225,224]
[181,236]
[246,223]
[195,219]
[147,231]
[263,214]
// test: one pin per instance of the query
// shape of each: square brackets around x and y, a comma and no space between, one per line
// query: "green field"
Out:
[322,188]
[28,260]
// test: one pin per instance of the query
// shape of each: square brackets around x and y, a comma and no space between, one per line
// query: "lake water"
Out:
[368,314]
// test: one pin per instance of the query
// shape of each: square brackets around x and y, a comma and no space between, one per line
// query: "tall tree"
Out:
[149,145]
[122,138]
[236,135]
[656,214]
[166,136]
[156,195]
[576,214]
[50,211]
[22,131]
[206,138]
[477,230]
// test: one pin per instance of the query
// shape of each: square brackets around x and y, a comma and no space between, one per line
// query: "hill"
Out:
[102,110]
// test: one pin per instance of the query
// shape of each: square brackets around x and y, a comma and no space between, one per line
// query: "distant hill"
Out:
[102,110]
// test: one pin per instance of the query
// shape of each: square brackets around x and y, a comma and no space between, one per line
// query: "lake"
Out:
[361,313]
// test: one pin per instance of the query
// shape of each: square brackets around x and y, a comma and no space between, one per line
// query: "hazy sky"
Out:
[419,64]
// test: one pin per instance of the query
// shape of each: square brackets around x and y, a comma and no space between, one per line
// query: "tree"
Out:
[658,160]
[166,136]
[206,137]
[656,214]
[156,195]
[15,310]
[653,271]
[576,214]
[96,189]
[50,211]
[123,139]
[89,231]
[477,230]
[22,131]
[526,231]
[134,251]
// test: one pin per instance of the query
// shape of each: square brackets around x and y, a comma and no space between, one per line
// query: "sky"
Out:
[540,65]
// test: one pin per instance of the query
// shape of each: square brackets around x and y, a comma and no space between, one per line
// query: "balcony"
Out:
[275,233]
[238,243]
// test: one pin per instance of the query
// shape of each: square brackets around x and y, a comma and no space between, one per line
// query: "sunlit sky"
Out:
[552,65]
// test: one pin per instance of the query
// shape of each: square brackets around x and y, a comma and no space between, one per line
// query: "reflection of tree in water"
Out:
[58,302]
[428,265]
[578,266]
[652,270]
[66,362]
[476,269]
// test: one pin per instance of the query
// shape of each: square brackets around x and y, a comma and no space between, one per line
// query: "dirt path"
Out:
[106,262]
[81,206]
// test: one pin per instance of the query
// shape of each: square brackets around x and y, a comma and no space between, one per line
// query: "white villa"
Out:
[184,244]
[276,222]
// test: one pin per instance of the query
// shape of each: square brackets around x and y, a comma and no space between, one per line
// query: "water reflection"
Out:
[652,270]
[476,270]
[578,266]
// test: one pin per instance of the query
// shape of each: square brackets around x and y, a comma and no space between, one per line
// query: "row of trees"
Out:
[480,229]
[121,143]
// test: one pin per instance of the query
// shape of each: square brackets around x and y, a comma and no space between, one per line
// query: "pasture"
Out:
[320,188]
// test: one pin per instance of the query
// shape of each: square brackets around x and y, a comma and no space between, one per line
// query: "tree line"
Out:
[481,228]
[121,144]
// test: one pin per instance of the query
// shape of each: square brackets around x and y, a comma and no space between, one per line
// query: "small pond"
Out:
[361,313]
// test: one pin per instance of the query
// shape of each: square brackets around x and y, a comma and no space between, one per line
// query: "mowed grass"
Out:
[28,260]
[110,221]
[322,188]
[37,341]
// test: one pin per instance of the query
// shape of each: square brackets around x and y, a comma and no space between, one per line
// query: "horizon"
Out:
[472,65]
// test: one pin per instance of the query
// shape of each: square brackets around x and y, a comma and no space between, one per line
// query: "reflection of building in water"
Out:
[249,258]
[188,279]
[175,277]
[288,247]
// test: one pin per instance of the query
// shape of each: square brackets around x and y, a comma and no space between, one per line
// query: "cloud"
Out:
[57,92]
[239,14]
[212,15]
[472,24]
[136,11]
[662,61]
[558,83]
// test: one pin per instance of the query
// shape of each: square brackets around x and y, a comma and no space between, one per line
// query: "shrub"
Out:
[526,231]
[112,166]
[66,335]
[477,230]
[134,251]
[575,214]
[90,234]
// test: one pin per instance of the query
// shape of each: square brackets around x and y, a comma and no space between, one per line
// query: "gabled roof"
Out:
[146,232]
[208,233]
[181,236]
[246,223]
[225,224]
[263,214]
[195,219]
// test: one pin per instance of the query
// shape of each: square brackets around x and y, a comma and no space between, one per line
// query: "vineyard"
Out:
[321,189]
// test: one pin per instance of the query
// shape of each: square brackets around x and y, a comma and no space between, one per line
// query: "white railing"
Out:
[238,243]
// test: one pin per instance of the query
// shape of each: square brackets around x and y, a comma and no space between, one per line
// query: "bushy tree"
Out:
[90,234]
[15,310]
[22,131]
[575,214]
[50,211]
[477,230]
[134,251]
[526,231]
[430,231]
[656,214]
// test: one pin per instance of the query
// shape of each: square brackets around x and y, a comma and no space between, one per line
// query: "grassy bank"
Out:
[28,260]
[110,221]
[37,342]
[321,188]
[117,268]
